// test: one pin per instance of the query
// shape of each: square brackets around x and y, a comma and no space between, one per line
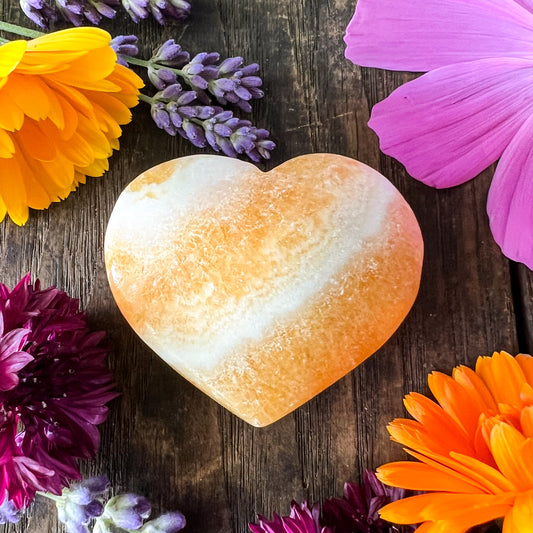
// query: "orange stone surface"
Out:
[263,289]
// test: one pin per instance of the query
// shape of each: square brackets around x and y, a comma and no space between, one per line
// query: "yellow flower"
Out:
[62,99]
[475,449]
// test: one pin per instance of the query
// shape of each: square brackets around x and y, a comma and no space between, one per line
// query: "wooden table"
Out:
[166,439]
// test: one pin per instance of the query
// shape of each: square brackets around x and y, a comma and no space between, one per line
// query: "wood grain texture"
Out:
[169,441]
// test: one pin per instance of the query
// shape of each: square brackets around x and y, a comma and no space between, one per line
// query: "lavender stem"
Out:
[143,63]
[48,495]
[19,30]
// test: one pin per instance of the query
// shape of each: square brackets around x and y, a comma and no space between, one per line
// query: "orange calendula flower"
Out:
[475,448]
[62,99]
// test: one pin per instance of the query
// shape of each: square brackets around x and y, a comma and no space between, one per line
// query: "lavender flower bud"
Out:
[8,512]
[80,503]
[194,133]
[263,146]
[136,9]
[166,523]
[124,46]
[39,12]
[170,54]
[161,117]
[160,78]
[234,136]
[105,9]
[127,511]
[162,10]
[230,65]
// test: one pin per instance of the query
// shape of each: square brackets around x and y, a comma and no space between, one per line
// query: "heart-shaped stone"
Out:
[263,289]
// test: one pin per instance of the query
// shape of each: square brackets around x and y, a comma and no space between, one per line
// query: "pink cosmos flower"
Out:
[473,107]
[54,385]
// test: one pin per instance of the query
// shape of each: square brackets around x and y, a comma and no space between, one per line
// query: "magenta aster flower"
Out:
[302,519]
[54,385]
[473,107]
[358,510]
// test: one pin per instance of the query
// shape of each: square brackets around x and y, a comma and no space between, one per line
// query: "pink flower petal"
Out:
[510,200]
[420,35]
[450,124]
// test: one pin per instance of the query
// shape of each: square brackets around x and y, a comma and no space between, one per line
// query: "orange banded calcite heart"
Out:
[263,289]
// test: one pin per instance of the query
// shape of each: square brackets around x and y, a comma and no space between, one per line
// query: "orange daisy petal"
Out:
[456,401]
[7,148]
[476,388]
[502,364]
[422,476]
[440,526]
[526,421]
[526,364]
[506,444]
[483,473]
[437,421]
[468,509]
[520,518]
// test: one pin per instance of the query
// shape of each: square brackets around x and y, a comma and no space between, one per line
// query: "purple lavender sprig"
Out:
[197,113]
[78,12]
[161,10]
[179,112]
[228,82]
[82,502]
[82,508]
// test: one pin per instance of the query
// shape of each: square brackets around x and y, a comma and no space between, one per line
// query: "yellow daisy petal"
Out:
[10,55]
[71,39]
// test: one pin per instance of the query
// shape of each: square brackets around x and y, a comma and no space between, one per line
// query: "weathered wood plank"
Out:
[169,441]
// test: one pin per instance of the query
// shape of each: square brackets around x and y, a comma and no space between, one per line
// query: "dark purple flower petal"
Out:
[358,510]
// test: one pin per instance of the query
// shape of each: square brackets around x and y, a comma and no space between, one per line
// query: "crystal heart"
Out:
[263,289]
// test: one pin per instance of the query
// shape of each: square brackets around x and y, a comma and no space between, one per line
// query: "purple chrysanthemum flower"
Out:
[54,385]
[358,510]
[302,519]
